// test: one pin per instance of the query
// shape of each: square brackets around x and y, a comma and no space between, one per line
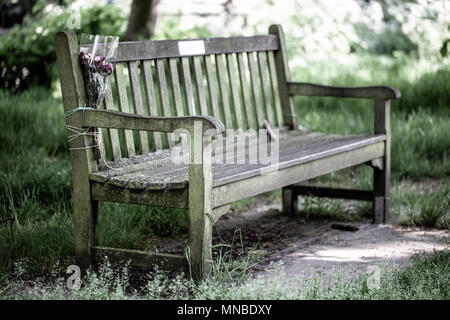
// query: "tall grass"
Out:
[427,277]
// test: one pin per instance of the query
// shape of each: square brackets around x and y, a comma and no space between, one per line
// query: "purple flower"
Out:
[85,58]
[105,68]
[98,60]
[109,68]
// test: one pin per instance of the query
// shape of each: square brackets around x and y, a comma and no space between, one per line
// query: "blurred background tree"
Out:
[142,20]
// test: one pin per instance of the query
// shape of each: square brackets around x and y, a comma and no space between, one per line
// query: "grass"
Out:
[430,209]
[427,277]
[35,169]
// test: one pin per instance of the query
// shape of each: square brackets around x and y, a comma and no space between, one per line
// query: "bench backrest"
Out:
[239,80]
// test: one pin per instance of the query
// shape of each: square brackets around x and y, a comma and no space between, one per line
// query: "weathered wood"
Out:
[234,83]
[262,64]
[113,134]
[81,151]
[137,103]
[220,211]
[245,91]
[318,90]
[255,89]
[258,184]
[121,120]
[365,195]
[176,87]
[134,164]
[289,157]
[200,87]
[200,208]
[160,173]
[151,100]
[223,86]
[163,261]
[377,163]
[210,78]
[289,202]
[275,90]
[188,86]
[284,76]
[381,178]
[123,106]
[145,50]
[212,87]
[168,198]
[202,186]
[163,93]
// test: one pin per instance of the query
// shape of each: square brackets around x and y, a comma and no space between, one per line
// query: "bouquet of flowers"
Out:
[95,54]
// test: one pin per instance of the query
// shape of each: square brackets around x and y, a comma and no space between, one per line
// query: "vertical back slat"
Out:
[188,85]
[222,74]
[151,100]
[123,106]
[275,92]
[245,93]
[176,87]
[234,82]
[113,134]
[255,89]
[265,86]
[137,103]
[163,92]
[200,86]
[284,76]
[212,87]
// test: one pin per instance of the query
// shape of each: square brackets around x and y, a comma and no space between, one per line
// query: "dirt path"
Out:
[306,247]
[329,249]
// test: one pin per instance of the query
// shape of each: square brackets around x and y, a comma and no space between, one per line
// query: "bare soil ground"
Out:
[302,247]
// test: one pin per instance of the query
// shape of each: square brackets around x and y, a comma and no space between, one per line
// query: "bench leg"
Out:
[85,225]
[200,244]
[382,175]
[381,194]
[289,201]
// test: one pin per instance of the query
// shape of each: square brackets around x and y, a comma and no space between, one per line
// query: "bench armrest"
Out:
[120,120]
[372,92]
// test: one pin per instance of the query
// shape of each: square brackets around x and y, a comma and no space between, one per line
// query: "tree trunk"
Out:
[142,20]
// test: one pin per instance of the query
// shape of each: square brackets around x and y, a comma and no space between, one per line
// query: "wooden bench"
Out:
[123,152]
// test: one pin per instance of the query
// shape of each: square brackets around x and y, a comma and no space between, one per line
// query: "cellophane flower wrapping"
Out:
[96,52]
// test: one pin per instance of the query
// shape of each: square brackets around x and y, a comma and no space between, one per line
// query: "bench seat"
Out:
[157,172]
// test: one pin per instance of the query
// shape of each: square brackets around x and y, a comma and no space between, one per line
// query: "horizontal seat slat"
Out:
[160,172]
[158,49]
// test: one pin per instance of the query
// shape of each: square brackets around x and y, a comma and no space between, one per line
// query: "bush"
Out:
[27,52]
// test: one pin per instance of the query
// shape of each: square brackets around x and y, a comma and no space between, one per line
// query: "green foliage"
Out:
[431,209]
[27,52]
[428,277]
[171,29]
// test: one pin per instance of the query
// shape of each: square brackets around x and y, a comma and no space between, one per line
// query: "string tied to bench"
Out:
[79,132]
[82,108]
[82,132]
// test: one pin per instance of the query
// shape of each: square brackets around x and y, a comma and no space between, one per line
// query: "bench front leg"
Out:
[85,226]
[200,209]
[381,176]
